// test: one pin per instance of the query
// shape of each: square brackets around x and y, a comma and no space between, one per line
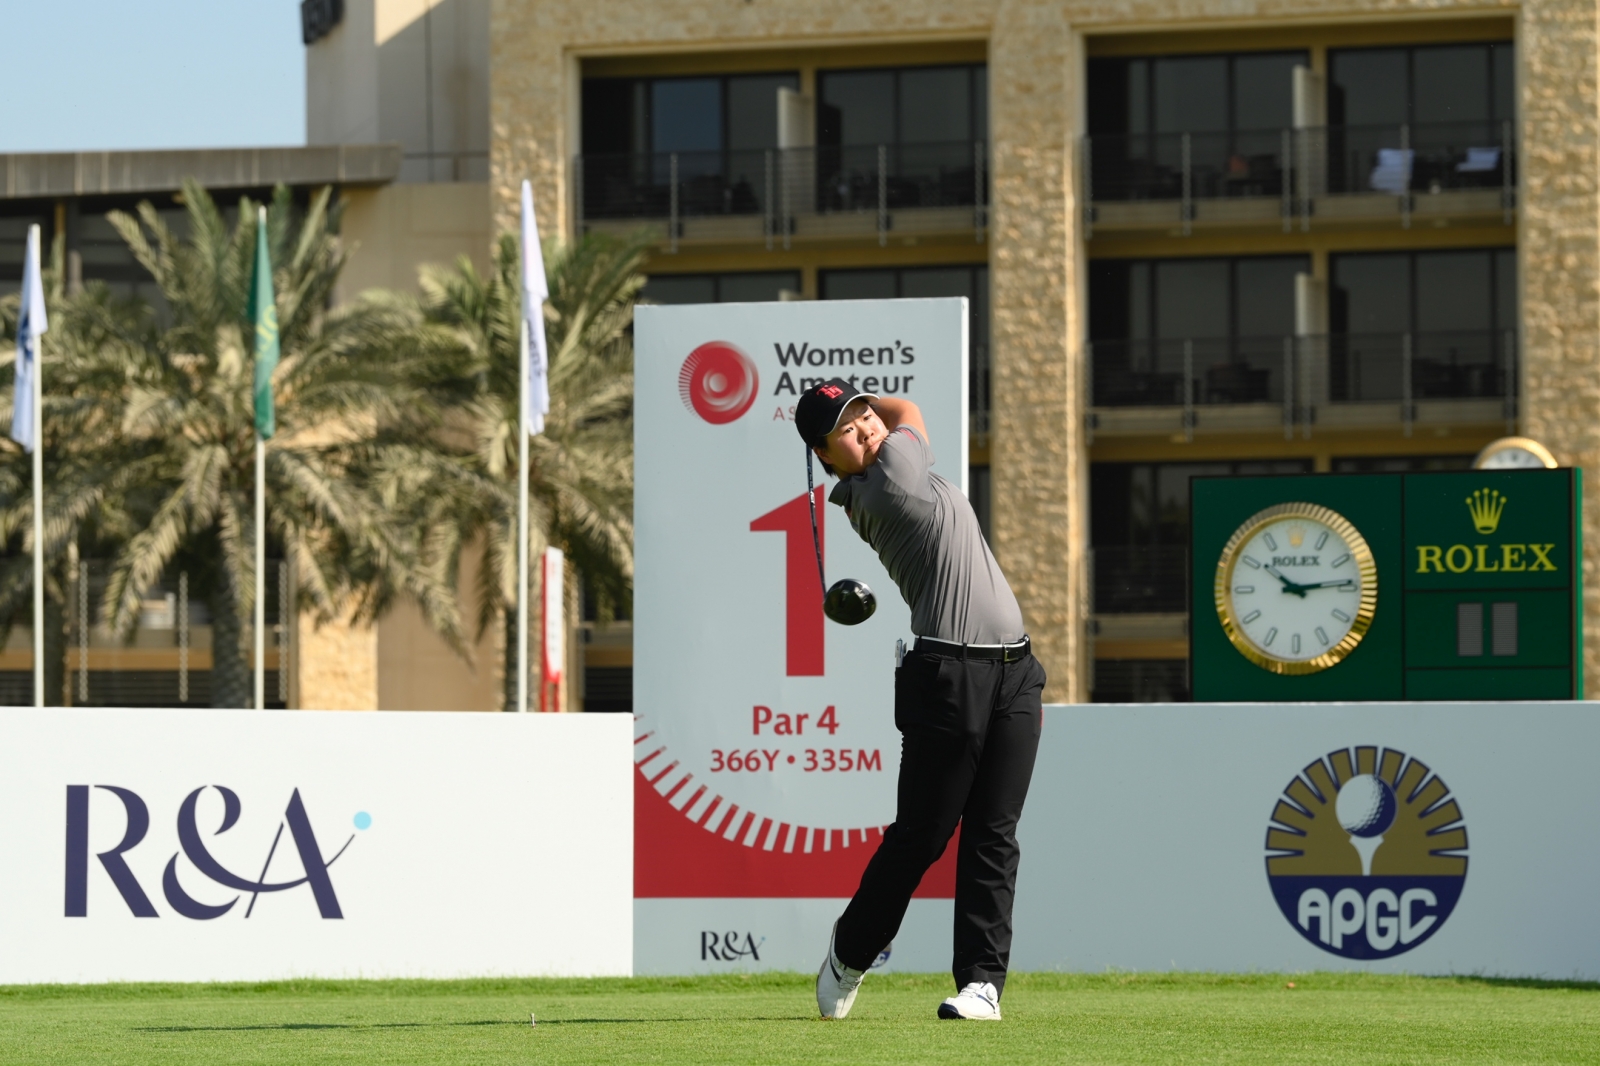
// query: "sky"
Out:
[103,74]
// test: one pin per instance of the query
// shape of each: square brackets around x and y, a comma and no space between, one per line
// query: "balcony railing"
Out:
[1197,174]
[781,189]
[1298,375]
[164,662]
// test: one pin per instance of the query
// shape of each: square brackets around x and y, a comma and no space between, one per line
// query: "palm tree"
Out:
[72,503]
[175,392]
[463,483]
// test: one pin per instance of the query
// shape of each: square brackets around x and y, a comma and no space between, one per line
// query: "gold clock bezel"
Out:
[1365,565]
[1506,444]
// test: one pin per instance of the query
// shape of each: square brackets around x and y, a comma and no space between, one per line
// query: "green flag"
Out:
[264,313]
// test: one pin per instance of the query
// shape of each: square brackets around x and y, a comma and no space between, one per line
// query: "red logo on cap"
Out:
[832,392]
[718,382]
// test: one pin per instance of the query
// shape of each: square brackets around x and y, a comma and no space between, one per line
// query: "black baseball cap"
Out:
[821,406]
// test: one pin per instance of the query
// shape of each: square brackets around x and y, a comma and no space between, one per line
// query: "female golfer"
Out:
[966,699]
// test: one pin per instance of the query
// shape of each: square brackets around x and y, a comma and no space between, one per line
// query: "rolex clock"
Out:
[1296,588]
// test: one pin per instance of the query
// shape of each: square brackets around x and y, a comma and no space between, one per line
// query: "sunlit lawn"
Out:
[1112,1018]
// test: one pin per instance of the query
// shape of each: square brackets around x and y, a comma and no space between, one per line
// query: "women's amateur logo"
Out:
[1366,853]
[718,382]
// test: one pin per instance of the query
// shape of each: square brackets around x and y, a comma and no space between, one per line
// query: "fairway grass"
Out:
[1343,1019]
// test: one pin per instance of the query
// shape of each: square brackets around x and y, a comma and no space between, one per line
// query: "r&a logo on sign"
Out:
[314,867]
[1367,854]
[730,946]
[718,382]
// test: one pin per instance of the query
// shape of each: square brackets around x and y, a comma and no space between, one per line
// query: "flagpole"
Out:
[531,409]
[522,512]
[261,573]
[38,498]
[264,310]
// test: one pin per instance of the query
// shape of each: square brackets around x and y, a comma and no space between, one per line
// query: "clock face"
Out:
[1515,453]
[1296,588]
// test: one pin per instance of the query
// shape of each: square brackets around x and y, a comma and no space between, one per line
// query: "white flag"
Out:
[534,291]
[31,322]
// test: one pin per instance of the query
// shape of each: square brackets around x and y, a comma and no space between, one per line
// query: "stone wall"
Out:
[1560,260]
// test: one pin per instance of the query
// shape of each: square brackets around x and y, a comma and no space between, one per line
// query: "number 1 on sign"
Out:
[803,641]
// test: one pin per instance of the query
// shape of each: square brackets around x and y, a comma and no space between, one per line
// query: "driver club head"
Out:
[849,602]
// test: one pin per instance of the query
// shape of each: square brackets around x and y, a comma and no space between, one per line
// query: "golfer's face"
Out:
[853,445]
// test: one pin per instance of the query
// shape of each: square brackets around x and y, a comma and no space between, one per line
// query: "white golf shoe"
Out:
[978,1002]
[837,984]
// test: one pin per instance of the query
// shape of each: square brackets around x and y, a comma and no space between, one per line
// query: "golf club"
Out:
[848,602]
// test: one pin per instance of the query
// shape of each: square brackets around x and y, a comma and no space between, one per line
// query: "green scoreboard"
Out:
[1440,586]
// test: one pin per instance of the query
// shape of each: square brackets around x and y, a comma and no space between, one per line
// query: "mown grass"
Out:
[1344,1019]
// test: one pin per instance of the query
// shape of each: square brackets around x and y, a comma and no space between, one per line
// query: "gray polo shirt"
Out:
[924,530]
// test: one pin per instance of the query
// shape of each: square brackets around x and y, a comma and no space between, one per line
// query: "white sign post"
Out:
[767,753]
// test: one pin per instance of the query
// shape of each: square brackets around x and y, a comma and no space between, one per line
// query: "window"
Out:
[1450,317]
[105,255]
[1141,681]
[14,247]
[1456,106]
[712,134]
[1221,323]
[1139,529]
[908,106]
[101,255]
[1460,83]
[1193,94]
[1233,109]
[720,288]
[924,282]
[608,689]
[1400,464]
[734,113]
[925,125]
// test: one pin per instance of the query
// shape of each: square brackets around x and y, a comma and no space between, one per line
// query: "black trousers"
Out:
[969,733]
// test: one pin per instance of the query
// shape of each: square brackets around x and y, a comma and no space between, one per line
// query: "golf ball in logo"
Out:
[718,382]
[1366,806]
[1366,852]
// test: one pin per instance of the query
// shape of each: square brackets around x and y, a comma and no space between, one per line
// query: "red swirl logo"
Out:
[718,382]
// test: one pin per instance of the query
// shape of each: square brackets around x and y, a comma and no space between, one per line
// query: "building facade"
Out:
[1280,237]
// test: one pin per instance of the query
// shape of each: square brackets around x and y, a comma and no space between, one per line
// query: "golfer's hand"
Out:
[897,412]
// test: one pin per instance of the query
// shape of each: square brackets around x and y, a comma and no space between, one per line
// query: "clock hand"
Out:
[1342,583]
[1288,586]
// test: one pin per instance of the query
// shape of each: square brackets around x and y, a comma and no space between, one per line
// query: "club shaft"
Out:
[816,539]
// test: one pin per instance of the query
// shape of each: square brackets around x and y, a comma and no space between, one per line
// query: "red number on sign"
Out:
[803,609]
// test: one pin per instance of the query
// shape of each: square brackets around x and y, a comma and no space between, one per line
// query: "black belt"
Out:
[1006,653]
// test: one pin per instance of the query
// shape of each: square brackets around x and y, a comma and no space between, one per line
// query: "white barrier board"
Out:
[206,845]
[767,750]
[1428,838]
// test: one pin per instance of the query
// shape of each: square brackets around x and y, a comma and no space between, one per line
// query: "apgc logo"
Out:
[1367,854]
[718,382]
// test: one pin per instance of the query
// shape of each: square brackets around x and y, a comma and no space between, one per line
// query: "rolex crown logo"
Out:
[1485,506]
[1297,536]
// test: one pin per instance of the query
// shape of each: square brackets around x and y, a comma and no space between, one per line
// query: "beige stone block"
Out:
[419,671]
[338,669]
[395,229]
